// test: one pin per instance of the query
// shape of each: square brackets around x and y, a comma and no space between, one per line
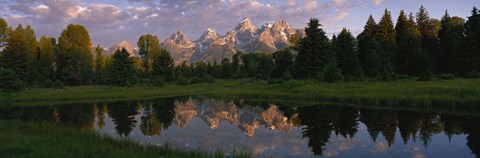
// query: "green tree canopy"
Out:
[386,39]
[346,55]
[3,32]
[472,41]
[74,59]
[450,41]
[149,48]
[122,71]
[100,65]
[283,62]
[14,56]
[163,65]
[369,49]
[313,51]
[428,28]
[409,53]
[45,58]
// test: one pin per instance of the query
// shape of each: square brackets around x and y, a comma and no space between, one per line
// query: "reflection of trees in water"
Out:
[380,121]
[317,121]
[389,126]
[150,125]
[165,110]
[371,118]
[408,124]
[429,125]
[471,127]
[102,110]
[320,121]
[346,121]
[79,116]
[157,114]
[123,115]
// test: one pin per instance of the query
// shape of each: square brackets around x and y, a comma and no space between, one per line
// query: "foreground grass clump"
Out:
[20,139]
[458,90]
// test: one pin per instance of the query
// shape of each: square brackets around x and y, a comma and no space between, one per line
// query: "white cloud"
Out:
[341,14]
[310,5]
[377,2]
[339,2]
[163,18]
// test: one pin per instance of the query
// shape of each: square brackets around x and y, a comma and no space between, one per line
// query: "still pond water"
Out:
[270,129]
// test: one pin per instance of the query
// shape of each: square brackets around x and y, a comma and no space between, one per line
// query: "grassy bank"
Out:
[409,91]
[20,139]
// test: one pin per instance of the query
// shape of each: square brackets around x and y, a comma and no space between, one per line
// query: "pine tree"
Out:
[236,64]
[283,61]
[265,66]
[227,69]
[10,82]
[347,56]
[386,39]
[428,28]
[409,57]
[331,73]
[472,41]
[163,65]
[450,42]
[313,51]
[369,48]
[75,58]
[250,64]
[122,71]
[15,55]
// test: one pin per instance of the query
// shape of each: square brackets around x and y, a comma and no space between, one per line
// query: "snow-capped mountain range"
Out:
[212,47]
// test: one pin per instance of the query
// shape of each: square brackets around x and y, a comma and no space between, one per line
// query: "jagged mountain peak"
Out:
[178,34]
[209,34]
[210,29]
[281,23]
[245,24]
[123,44]
[208,37]
[243,37]
[179,38]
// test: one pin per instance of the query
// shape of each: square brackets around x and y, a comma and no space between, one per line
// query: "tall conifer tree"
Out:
[369,49]
[313,51]
[386,39]
[347,55]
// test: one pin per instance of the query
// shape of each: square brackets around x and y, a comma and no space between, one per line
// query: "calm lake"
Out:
[270,129]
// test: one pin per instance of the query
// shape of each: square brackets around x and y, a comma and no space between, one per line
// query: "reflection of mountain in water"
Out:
[247,118]
[319,123]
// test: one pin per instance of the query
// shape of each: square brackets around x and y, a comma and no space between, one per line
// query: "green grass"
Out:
[414,92]
[20,139]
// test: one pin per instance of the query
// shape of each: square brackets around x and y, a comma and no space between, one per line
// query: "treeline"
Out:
[416,45]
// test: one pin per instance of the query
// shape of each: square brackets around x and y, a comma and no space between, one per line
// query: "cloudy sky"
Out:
[110,21]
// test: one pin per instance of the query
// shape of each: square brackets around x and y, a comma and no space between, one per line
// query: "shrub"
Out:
[274,81]
[203,79]
[57,84]
[425,76]
[158,82]
[473,74]
[48,83]
[331,73]
[287,76]
[182,80]
[446,76]
[9,81]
